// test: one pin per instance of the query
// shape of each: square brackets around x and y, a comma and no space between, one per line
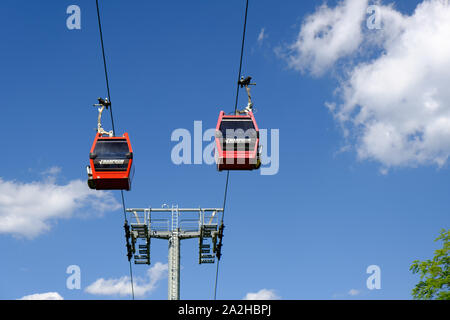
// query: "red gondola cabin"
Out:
[111,161]
[237,142]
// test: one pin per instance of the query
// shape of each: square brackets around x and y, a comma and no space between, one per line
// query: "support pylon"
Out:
[181,224]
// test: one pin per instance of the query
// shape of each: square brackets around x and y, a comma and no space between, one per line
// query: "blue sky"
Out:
[336,206]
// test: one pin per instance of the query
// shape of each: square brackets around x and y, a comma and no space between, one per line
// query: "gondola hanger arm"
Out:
[245,82]
[102,103]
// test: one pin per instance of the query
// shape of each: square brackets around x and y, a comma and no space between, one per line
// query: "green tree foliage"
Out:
[434,274]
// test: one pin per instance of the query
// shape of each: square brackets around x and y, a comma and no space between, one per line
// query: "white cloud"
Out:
[29,209]
[353,292]
[394,104]
[52,171]
[327,35]
[43,296]
[263,294]
[261,36]
[122,286]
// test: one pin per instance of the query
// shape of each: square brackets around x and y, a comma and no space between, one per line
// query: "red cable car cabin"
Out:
[111,160]
[237,142]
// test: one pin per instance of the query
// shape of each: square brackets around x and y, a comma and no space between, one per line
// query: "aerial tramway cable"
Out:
[113,128]
[228,171]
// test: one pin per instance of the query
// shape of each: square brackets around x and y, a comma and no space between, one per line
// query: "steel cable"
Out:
[228,172]
[112,123]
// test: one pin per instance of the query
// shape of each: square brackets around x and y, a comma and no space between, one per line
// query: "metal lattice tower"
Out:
[174,258]
[174,224]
